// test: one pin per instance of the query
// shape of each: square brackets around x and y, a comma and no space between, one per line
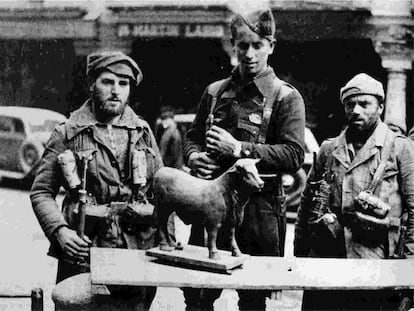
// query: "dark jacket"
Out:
[105,181]
[239,110]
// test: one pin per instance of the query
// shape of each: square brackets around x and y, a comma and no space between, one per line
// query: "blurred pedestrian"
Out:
[169,138]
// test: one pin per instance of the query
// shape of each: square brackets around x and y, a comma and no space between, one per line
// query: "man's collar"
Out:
[377,138]
[263,82]
[380,134]
[84,117]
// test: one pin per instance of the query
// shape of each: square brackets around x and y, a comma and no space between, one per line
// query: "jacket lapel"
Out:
[341,151]
[84,118]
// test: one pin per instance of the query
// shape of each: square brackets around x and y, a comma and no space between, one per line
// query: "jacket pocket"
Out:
[248,131]
[389,185]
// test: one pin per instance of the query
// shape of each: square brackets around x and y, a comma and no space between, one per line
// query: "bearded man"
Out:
[107,136]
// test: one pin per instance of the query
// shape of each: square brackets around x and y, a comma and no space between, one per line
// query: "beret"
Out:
[362,84]
[115,62]
[261,22]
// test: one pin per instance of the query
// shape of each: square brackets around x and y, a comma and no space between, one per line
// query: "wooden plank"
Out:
[197,256]
[134,268]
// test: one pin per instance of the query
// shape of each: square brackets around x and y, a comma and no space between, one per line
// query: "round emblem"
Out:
[255,118]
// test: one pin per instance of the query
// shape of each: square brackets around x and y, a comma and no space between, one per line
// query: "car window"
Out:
[18,126]
[6,124]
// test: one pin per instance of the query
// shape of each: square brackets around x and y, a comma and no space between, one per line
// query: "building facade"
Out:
[184,45]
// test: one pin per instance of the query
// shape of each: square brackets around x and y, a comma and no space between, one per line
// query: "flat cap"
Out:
[115,62]
[362,84]
[261,22]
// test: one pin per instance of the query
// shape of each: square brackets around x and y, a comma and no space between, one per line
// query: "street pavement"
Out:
[24,264]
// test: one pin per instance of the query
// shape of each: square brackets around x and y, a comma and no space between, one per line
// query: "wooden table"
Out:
[134,268]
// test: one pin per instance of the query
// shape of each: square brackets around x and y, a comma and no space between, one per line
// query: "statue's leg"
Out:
[212,231]
[163,231]
[235,251]
[172,241]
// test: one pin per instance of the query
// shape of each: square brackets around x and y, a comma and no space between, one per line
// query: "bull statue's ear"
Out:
[240,163]
[254,161]
[257,160]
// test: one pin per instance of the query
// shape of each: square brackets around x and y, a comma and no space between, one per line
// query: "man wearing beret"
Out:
[359,198]
[251,114]
[108,136]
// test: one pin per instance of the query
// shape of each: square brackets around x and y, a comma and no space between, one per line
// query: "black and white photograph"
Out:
[206,155]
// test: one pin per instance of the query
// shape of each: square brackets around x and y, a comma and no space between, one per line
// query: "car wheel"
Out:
[294,184]
[29,156]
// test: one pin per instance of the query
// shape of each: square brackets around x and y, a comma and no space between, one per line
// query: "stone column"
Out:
[395,101]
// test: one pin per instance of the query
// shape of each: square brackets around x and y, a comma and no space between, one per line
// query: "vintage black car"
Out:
[24,132]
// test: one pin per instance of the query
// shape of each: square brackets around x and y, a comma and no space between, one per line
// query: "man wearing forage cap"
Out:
[251,114]
[345,227]
[106,132]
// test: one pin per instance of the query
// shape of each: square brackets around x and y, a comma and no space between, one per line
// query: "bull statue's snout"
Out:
[260,183]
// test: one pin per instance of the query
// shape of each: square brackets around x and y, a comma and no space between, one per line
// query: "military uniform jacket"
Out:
[348,178]
[105,180]
[239,110]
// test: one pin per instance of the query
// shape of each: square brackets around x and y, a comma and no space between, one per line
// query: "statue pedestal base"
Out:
[196,257]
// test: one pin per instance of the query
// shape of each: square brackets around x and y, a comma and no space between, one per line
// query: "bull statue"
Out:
[213,202]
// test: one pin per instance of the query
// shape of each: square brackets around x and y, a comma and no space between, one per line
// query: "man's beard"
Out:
[358,135]
[103,109]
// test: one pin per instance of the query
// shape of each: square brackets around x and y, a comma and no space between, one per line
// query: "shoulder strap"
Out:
[215,89]
[268,109]
[385,153]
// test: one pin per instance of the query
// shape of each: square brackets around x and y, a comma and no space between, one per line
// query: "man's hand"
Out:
[202,165]
[72,245]
[221,142]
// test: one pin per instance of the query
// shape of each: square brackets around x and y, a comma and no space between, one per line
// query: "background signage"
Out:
[171,30]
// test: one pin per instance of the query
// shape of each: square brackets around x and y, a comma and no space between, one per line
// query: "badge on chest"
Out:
[255,118]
